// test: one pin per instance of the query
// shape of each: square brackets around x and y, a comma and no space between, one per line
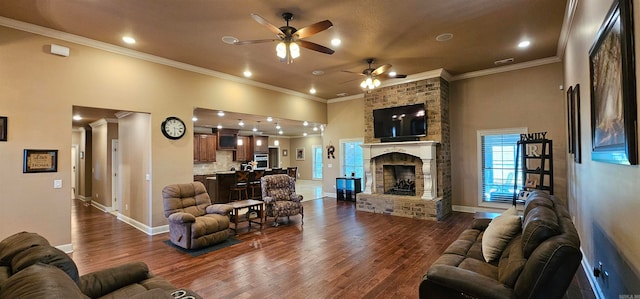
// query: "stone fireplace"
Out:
[417,171]
[408,166]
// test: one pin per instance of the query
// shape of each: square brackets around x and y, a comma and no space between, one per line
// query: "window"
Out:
[496,165]
[351,158]
[317,162]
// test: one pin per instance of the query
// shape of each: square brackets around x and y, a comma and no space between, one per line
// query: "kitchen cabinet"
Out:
[227,139]
[204,148]
[244,149]
[260,144]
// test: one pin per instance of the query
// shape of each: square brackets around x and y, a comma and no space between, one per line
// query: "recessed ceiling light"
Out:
[444,37]
[229,40]
[280,132]
[129,40]
[315,128]
[336,42]
[312,90]
[240,123]
[77,117]
[220,113]
[194,118]
[392,74]
[269,119]
[219,127]
[247,74]
[317,72]
[524,44]
[277,126]
[304,134]
[305,123]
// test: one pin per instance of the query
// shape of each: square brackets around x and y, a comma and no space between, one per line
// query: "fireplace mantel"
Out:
[425,150]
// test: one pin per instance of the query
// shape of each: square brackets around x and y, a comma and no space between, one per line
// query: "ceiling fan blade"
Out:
[350,72]
[313,29]
[315,47]
[266,23]
[381,69]
[254,41]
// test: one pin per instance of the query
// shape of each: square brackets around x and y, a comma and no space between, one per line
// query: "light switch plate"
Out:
[57,184]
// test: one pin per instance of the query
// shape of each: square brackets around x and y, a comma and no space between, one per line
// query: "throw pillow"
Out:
[498,234]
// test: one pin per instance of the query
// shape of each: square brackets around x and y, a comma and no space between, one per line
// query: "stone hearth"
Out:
[425,204]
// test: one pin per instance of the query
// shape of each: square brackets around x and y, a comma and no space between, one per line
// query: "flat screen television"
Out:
[400,123]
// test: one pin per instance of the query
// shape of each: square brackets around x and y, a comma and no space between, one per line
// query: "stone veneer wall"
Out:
[434,92]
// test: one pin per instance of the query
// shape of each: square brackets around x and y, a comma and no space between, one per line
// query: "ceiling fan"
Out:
[371,81]
[291,39]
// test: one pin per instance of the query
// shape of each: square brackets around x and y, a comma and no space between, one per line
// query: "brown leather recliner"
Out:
[31,268]
[193,221]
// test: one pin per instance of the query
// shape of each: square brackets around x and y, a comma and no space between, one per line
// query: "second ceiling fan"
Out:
[371,81]
[290,38]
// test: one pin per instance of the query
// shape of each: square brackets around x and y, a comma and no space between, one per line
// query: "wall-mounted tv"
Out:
[400,123]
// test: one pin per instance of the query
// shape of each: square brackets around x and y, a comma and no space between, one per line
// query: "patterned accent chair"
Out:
[193,221]
[279,195]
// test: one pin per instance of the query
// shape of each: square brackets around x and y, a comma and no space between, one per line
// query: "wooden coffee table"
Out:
[252,206]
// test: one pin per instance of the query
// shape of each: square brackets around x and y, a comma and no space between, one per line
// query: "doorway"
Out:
[274,157]
[75,173]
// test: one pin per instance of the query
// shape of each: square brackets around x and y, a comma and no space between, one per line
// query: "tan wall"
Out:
[525,98]
[103,134]
[134,145]
[305,167]
[39,90]
[345,121]
[602,197]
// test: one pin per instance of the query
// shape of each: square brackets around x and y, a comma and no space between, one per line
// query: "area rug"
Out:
[197,252]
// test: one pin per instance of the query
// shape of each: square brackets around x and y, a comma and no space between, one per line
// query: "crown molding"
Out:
[76,39]
[507,68]
[567,25]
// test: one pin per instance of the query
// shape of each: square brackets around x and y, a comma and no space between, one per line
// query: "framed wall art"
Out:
[40,161]
[577,143]
[300,153]
[570,132]
[3,128]
[613,88]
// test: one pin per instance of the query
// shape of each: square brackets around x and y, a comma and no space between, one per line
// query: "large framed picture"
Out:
[613,88]
[40,161]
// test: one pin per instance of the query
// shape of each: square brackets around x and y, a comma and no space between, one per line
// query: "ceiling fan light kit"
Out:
[290,38]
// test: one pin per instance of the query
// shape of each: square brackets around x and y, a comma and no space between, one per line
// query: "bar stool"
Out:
[240,186]
[293,172]
[254,184]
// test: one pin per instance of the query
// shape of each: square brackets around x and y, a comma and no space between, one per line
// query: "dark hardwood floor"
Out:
[337,253]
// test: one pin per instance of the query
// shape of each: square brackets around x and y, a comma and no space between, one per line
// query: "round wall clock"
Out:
[173,128]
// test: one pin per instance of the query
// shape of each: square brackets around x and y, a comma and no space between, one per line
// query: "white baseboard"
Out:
[84,198]
[332,195]
[592,279]
[143,227]
[101,207]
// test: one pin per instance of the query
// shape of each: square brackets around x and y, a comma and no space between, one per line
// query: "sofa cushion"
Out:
[16,243]
[40,281]
[45,255]
[540,224]
[498,234]
[511,262]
